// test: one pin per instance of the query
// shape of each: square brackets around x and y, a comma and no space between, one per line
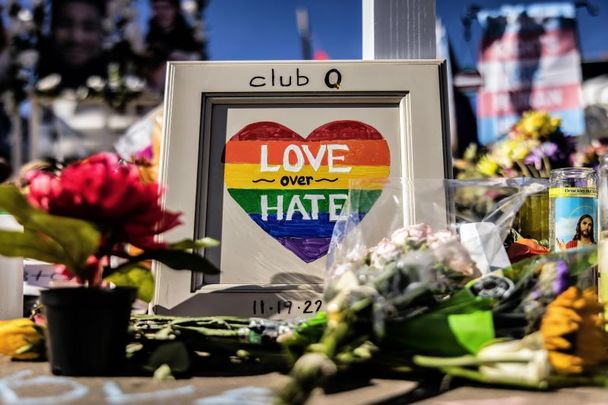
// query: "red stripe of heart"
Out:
[332,131]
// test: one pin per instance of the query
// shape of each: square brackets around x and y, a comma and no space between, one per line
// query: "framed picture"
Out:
[261,157]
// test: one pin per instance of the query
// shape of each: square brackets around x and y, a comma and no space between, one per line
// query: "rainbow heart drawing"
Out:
[294,187]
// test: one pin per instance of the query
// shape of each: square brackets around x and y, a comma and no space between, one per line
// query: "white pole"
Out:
[398,29]
[11,277]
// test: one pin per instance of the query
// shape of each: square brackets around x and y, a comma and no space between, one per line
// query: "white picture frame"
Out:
[210,107]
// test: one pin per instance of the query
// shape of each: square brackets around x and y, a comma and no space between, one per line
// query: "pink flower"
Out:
[111,194]
[93,274]
[448,249]
[412,233]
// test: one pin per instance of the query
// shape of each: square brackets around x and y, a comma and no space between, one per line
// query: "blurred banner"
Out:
[529,60]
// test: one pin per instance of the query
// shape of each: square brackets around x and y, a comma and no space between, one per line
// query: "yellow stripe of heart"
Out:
[242,175]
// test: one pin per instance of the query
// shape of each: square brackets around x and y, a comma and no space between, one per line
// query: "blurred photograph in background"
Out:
[169,38]
[73,48]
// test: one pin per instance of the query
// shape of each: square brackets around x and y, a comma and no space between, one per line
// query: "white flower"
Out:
[357,255]
[448,249]
[96,83]
[342,268]
[189,6]
[48,83]
[385,252]
[524,360]
[439,238]
[134,83]
[25,15]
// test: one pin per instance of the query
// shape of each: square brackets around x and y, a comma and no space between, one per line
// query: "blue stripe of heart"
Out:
[297,227]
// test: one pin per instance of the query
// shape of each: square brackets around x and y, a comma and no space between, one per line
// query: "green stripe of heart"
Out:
[249,200]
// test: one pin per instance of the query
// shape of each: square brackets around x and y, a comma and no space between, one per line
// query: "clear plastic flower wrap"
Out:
[388,222]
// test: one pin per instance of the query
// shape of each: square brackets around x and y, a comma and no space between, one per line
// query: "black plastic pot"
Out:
[87,329]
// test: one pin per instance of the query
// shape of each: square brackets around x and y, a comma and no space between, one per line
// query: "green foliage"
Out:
[194,244]
[46,237]
[176,259]
[578,261]
[137,277]
[71,241]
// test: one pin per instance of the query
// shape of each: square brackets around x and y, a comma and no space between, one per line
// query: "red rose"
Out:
[103,190]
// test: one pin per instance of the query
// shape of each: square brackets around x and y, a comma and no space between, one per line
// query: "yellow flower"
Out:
[20,339]
[537,124]
[470,152]
[487,167]
[517,149]
[573,331]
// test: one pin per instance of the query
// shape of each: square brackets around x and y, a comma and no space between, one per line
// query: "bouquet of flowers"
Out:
[589,156]
[99,221]
[415,302]
[533,147]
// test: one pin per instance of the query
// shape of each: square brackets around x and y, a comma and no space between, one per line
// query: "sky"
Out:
[266,29]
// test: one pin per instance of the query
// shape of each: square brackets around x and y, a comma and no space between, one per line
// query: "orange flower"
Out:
[573,331]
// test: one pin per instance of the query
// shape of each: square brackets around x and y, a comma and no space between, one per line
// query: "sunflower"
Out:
[573,331]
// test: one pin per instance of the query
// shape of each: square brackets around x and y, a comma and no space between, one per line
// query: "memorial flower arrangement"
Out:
[97,220]
[413,304]
[533,147]
[401,307]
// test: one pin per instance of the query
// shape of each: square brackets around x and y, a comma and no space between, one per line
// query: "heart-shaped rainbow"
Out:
[294,188]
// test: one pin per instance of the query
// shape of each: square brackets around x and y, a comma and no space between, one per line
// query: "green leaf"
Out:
[432,332]
[178,260]
[173,354]
[472,330]
[30,244]
[194,244]
[137,277]
[76,239]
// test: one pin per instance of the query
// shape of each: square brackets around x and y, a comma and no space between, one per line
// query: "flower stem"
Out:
[469,360]
[524,169]
[547,166]
[596,380]
[505,380]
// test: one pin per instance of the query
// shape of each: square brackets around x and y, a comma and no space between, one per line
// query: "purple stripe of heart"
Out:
[307,249]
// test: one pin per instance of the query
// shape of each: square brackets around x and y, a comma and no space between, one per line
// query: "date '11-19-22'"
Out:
[261,307]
